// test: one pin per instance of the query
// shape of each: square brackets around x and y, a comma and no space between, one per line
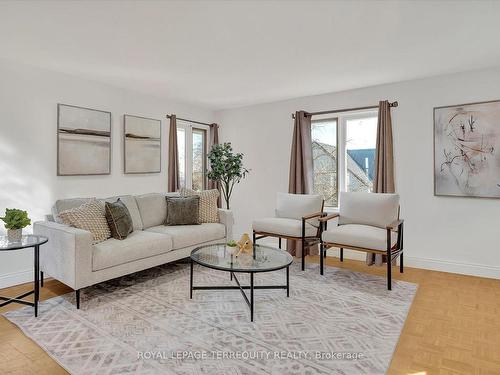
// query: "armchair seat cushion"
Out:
[365,236]
[284,227]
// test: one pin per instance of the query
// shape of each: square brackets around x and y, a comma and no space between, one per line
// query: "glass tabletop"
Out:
[223,257]
[28,240]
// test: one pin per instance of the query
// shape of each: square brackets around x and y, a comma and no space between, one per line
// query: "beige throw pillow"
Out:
[89,216]
[208,211]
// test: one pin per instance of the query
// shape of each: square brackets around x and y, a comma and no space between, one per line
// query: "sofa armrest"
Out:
[226,217]
[68,255]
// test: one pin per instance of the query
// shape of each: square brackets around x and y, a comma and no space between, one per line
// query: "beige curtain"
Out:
[173,156]
[301,171]
[213,140]
[384,164]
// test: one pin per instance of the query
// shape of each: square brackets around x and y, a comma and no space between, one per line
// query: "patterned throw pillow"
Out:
[119,219]
[89,216]
[209,213]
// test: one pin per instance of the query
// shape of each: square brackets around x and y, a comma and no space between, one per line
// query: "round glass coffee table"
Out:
[222,257]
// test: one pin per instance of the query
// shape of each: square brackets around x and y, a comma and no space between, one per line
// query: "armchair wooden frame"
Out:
[305,241]
[392,252]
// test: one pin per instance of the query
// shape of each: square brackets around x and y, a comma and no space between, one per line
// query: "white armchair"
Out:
[367,222]
[296,218]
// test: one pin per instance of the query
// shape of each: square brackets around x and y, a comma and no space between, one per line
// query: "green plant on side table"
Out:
[15,220]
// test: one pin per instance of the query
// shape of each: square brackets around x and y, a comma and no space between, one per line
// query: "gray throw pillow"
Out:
[119,219]
[183,210]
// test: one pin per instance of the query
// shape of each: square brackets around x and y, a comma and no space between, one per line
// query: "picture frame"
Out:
[142,145]
[466,142]
[83,141]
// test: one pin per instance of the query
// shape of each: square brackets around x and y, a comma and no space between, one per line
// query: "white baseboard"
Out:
[16,278]
[471,269]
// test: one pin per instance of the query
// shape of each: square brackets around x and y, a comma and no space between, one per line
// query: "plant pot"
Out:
[14,235]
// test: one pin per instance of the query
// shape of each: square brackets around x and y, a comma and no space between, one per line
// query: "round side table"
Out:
[26,242]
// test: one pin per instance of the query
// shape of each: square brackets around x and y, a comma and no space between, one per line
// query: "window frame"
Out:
[188,128]
[341,149]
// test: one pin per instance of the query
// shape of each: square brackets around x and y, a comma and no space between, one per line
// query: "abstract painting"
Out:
[142,144]
[83,141]
[466,150]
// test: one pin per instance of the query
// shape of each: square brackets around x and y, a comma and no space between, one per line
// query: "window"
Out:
[192,148]
[343,154]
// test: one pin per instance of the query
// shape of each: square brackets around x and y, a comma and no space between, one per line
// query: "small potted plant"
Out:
[15,220]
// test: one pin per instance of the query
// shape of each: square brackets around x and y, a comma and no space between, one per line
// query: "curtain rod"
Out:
[194,122]
[393,104]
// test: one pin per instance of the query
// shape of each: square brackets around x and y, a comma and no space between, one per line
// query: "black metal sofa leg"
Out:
[77,298]
[401,263]
[341,254]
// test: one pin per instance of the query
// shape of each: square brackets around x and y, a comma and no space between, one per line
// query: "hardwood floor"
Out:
[453,326]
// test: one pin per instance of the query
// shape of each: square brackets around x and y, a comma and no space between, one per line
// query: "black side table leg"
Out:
[251,296]
[288,281]
[191,280]
[41,279]
[37,280]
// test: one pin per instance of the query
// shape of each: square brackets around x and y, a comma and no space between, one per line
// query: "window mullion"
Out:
[189,156]
[342,160]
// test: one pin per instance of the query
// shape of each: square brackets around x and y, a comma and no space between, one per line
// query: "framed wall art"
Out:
[466,150]
[142,145]
[83,141]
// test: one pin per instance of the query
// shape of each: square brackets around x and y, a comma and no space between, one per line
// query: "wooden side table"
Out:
[26,242]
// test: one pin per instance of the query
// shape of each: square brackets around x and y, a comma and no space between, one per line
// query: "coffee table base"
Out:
[252,287]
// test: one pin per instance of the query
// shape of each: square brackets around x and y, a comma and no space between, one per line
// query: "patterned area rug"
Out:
[340,323]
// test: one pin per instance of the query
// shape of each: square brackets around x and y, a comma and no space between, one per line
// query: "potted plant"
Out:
[15,220]
[226,168]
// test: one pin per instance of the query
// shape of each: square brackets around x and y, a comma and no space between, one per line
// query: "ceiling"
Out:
[220,54]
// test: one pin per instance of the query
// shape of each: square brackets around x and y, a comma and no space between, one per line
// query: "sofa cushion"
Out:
[284,226]
[295,206]
[132,207]
[119,220]
[138,245]
[66,204]
[208,210]
[90,217]
[375,209]
[365,236]
[182,211]
[153,209]
[188,235]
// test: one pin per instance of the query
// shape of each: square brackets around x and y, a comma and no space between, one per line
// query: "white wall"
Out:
[28,123]
[450,234]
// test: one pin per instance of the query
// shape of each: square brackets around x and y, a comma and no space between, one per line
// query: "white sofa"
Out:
[70,257]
